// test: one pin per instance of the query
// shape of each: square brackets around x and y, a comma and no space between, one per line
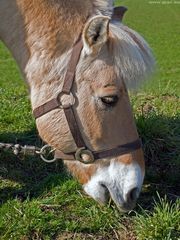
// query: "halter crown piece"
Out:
[82,154]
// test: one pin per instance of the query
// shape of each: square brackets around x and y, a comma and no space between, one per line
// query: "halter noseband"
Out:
[82,154]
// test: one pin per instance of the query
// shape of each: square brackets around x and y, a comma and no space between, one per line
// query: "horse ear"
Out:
[95,34]
[118,13]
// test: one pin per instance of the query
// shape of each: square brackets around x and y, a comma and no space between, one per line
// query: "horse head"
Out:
[112,59]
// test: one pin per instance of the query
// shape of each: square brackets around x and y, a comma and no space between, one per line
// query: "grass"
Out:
[54,212]
[162,223]
[40,201]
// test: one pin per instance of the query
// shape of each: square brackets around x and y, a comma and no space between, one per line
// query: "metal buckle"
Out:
[71,98]
[89,158]
[45,152]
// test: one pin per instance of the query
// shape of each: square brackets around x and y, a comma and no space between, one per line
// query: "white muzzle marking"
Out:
[123,181]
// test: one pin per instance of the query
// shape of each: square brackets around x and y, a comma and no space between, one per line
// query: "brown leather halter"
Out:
[82,154]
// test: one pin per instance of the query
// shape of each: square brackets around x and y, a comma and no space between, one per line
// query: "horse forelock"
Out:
[103,6]
[133,59]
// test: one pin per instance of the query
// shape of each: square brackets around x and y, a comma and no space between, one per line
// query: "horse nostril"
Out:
[106,190]
[104,186]
[132,195]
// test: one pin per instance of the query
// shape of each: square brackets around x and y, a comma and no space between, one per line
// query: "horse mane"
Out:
[133,58]
[103,7]
[132,55]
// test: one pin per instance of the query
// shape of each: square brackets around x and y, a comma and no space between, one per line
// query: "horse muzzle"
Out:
[120,182]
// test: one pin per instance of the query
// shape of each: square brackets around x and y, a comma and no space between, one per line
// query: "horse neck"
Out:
[12,32]
[40,35]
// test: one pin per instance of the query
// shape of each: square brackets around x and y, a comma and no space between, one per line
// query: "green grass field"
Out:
[40,201]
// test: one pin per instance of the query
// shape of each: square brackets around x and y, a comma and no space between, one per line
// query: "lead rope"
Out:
[28,150]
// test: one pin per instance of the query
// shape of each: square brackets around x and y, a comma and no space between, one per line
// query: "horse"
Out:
[77,44]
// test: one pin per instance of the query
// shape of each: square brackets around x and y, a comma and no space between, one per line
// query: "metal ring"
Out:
[42,153]
[71,103]
[83,151]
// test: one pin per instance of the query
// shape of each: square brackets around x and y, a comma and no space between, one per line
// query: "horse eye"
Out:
[110,100]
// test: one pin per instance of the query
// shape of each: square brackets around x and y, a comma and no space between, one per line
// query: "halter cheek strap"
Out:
[82,154]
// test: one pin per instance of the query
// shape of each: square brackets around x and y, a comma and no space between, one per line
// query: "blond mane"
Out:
[132,55]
